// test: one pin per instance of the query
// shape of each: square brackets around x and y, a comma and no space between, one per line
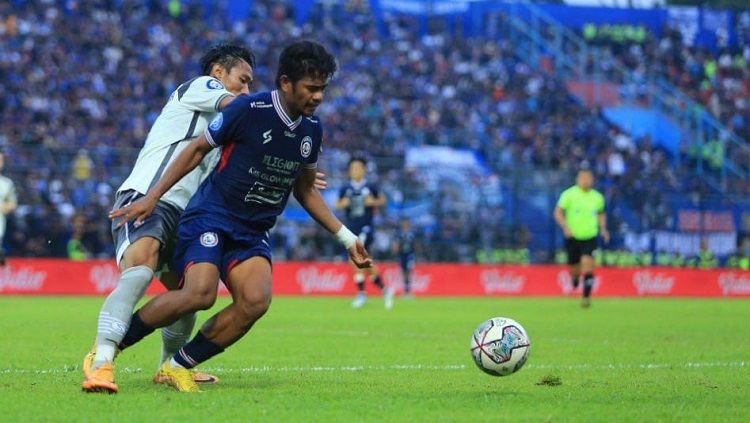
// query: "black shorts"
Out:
[575,248]
[161,225]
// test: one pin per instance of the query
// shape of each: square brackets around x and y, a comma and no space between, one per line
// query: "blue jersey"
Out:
[264,151]
[358,216]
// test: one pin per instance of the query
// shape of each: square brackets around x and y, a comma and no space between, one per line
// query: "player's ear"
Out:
[217,71]
[285,84]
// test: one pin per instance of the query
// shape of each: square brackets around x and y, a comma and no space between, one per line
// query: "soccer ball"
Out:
[500,346]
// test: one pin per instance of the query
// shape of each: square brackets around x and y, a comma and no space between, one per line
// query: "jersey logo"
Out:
[209,239]
[213,84]
[290,134]
[216,123]
[260,105]
[306,147]
[267,137]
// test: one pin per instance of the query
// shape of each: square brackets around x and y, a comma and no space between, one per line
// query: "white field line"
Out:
[399,367]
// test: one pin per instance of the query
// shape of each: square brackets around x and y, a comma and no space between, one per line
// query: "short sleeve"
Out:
[223,129]
[600,209]
[202,94]
[342,192]
[375,190]
[11,197]
[564,201]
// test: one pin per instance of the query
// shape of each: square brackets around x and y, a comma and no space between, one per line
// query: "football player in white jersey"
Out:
[8,203]
[145,249]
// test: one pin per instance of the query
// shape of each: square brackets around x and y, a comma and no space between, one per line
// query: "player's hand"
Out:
[567,233]
[343,203]
[320,181]
[605,235]
[138,210]
[359,256]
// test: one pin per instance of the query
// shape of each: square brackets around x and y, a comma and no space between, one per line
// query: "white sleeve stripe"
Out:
[310,165]
[209,138]
[220,99]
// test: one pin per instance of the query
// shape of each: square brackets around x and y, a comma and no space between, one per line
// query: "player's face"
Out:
[237,80]
[304,96]
[356,171]
[585,180]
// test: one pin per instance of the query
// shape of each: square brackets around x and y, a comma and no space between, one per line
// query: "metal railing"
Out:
[535,34]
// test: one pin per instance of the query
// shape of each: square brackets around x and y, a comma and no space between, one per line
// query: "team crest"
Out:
[209,239]
[213,84]
[216,123]
[306,147]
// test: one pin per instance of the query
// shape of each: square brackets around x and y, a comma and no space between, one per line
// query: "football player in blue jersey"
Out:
[359,199]
[270,150]
[405,247]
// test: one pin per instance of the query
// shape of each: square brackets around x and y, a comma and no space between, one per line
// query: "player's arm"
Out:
[224,102]
[311,200]
[375,200]
[10,202]
[343,202]
[187,160]
[602,218]
[559,215]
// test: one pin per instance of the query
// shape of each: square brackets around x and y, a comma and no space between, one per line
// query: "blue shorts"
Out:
[210,240]
[365,234]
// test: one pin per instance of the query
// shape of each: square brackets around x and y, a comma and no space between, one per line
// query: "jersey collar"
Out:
[358,185]
[292,124]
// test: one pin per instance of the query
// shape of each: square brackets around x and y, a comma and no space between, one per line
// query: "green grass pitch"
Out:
[316,359]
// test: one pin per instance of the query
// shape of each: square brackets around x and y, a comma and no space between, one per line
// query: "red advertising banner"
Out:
[62,277]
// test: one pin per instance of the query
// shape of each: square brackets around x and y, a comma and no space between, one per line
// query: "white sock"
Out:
[175,336]
[105,353]
[174,364]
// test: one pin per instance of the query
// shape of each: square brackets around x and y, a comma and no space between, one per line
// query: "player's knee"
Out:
[200,298]
[254,304]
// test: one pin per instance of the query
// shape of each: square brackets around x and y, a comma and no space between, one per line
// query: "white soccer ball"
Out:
[500,346]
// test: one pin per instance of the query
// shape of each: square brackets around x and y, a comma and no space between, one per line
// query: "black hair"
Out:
[357,159]
[305,58]
[227,55]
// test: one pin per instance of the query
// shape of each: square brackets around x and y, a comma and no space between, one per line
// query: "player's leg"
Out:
[377,280]
[177,334]
[137,269]
[359,280]
[407,266]
[197,293]
[587,269]
[573,252]
[250,285]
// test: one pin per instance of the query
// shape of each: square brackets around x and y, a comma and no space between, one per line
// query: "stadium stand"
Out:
[73,123]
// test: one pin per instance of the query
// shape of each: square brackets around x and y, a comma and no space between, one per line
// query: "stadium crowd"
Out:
[77,105]
[716,78]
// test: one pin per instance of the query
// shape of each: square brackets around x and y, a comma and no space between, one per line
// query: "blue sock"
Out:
[137,331]
[198,350]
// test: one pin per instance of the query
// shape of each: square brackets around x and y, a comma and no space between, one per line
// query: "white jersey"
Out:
[190,108]
[7,195]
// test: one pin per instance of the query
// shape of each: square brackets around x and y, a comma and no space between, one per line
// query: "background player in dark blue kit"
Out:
[405,247]
[359,199]
[270,145]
